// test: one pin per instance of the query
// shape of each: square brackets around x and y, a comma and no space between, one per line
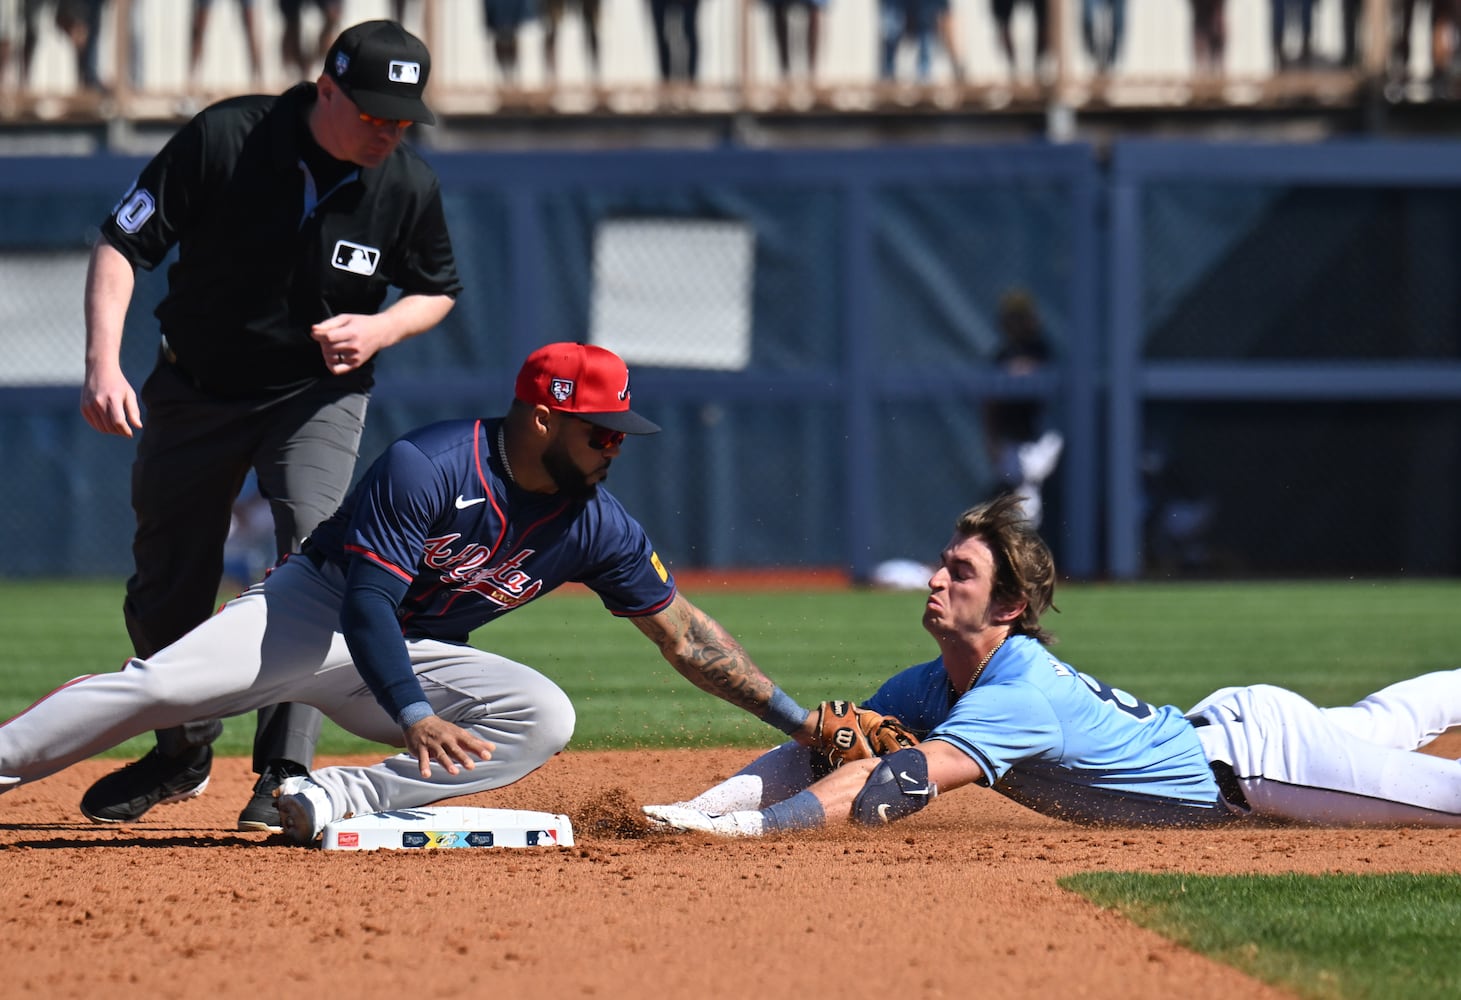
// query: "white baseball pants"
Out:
[1347,766]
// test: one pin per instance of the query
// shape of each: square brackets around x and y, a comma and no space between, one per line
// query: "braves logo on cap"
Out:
[562,389]
[624,393]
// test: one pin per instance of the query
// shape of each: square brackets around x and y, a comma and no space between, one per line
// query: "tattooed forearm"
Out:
[703,652]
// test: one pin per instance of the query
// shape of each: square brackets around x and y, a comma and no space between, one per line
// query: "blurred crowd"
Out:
[910,36]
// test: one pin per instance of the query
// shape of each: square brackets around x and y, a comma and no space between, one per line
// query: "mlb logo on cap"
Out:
[405,72]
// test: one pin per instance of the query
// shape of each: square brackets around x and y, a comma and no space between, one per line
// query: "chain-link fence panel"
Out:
[815,331]
[1287,374]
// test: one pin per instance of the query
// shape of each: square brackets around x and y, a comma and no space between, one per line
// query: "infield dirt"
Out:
[957,901]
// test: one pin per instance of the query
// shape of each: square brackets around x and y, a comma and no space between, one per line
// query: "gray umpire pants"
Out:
[194,454]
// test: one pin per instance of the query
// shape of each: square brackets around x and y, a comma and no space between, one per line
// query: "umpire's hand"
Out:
[451,746]
[108,402]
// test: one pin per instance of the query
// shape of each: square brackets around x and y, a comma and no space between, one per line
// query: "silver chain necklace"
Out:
[502,452]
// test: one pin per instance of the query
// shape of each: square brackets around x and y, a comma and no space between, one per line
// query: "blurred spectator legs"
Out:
[1350,30]
[782,19]
[895,20]
[938,15]
[677,46]
[1004,14]
[1209,38]
[303,60]
[79,21]
[811,39]
[924,22]
[201,11]
[1443,46]
[10,28]
[1402,19]
[1103,22]
[553,11]
[1288,52]
[504,19]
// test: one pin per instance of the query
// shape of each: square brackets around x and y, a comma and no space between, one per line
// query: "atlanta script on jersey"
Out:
[437,510]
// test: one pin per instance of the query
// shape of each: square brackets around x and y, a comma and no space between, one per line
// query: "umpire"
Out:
[293,216]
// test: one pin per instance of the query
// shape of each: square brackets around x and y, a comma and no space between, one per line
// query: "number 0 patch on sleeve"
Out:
[135,210]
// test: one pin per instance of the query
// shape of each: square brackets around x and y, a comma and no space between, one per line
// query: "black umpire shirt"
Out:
[267,246]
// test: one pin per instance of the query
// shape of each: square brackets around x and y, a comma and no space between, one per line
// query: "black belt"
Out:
[167,354]
[1227,778]
[313,554]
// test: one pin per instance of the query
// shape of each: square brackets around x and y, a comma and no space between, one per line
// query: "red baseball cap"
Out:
[584,380]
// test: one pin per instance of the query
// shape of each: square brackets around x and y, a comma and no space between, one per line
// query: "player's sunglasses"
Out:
[375,122]
[602,438]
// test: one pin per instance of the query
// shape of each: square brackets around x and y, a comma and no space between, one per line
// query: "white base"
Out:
[448,826]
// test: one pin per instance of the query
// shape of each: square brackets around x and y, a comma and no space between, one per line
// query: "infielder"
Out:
[997,709]
[455,525]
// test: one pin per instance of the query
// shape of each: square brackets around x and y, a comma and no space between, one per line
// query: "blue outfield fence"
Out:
[1255,361]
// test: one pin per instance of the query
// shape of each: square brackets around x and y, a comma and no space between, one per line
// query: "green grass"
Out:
[1355,937]
[1332,641]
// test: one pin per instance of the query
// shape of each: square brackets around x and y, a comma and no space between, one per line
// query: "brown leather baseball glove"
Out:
[846,732]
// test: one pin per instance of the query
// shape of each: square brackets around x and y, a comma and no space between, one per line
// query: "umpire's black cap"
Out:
[382,67]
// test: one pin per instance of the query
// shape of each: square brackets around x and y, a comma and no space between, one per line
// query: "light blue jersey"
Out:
[1061,742]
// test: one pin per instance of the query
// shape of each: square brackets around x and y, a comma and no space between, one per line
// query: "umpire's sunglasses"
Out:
[375,122]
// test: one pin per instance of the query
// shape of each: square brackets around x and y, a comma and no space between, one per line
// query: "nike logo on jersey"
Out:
[463,504]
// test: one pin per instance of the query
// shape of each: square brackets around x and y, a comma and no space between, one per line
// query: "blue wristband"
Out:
[414,713]
[784,713]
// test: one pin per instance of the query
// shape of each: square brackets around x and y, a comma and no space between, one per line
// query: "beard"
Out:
[571,481]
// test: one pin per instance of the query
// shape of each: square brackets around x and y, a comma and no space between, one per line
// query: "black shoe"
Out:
[262,813]
[124,796]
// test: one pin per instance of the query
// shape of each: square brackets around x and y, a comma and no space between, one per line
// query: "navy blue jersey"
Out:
[1059,741]
[437,510]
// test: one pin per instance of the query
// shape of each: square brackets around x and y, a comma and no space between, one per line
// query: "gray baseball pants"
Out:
[280,642]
